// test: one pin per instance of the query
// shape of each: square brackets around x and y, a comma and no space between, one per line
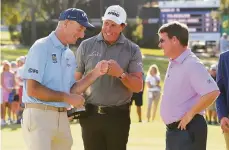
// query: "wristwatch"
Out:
[123,75]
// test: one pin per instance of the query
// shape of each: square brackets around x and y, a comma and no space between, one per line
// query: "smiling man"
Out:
[107,100]
[188,91]
[49,86]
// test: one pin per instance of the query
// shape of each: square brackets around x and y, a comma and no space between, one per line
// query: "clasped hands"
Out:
[103,67]
[110,67]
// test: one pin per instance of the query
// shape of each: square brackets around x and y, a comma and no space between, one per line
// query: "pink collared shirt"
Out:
[186,81]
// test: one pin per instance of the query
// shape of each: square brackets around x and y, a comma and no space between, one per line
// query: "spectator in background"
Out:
[222,102]
[13,97]
[8,85]
[20,64]
[211,110]
[138,100]
[13,67]
[224,43]
[153,90]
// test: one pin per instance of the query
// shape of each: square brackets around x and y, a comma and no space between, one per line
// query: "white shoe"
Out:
[9,121]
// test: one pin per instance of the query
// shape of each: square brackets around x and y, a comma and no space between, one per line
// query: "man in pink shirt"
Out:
[188,90]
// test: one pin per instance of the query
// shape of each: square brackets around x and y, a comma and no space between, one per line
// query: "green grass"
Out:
[143,136]
[5,38]
[12,54]
[154,52]
[5,35]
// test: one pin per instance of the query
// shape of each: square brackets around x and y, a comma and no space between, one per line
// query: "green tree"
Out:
[223,15]
[11,16]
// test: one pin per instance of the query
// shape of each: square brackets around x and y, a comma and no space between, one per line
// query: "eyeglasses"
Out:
[161,40]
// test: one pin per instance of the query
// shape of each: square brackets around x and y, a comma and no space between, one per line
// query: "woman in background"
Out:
[153,90]
[7,86]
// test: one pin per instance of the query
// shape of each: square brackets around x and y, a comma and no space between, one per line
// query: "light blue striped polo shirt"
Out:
[51,64]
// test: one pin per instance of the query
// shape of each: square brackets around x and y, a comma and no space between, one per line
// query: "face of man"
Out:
[166,44]
[213,72]
[73,31]
[111,31]
[171,46]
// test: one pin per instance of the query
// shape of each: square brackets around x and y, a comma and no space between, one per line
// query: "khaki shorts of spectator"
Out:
[46,130]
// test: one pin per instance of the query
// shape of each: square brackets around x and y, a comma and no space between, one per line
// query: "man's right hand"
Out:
[75,100]
[225,124]
[101,68]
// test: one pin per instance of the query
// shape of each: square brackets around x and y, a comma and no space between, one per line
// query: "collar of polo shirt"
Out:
[180,59]
[56,42]
[121,38]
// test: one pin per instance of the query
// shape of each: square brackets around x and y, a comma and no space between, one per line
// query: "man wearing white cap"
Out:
[224,43]
[107,124]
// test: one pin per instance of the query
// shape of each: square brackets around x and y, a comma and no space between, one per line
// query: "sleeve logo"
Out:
[31,70]
[209,81]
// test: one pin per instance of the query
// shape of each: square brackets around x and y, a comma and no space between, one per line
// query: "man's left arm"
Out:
[205,86]
[132,79]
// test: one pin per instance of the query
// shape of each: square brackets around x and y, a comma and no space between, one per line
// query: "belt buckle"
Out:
[100,110]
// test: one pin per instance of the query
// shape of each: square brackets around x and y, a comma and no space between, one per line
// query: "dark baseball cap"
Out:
[77,15]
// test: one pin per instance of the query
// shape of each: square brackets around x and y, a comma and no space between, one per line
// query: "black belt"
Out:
[107,109]
[174,125]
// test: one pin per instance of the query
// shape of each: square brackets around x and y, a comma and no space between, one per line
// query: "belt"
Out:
[173,125]
[45,107]
[107,109]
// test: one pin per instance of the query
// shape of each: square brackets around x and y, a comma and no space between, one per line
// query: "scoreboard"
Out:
[202,27]
[198,20]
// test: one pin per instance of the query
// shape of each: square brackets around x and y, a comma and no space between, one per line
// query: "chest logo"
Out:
[54,59]
[95,54]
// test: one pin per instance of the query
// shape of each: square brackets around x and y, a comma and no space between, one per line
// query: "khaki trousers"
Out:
[46,130]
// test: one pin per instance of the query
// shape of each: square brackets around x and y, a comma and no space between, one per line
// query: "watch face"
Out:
[123,75]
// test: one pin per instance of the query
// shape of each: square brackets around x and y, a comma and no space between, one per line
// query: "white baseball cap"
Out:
[115,13]
[213,67]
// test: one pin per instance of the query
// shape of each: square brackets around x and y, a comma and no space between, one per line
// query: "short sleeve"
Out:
[136,64]
[200,79]
[158,78]
[35,62]
[147,78]
[79,59]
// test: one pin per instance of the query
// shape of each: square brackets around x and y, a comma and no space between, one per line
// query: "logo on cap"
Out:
[113,12]
[84,15]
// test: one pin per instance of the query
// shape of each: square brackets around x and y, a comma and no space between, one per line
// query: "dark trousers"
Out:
[106,131]
[193,138]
